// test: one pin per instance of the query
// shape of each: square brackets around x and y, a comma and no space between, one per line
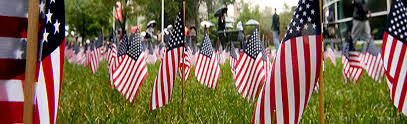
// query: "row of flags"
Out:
[283,87]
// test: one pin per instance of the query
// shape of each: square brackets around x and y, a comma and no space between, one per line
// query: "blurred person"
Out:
[240,36]
[361,26]
[276,28]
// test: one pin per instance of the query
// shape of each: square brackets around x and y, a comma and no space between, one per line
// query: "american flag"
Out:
[111,58]
[232,60]
[13,16]
[95,54]
[352,65]
[295,69]
[345,67]
[118,11]
[187,61]
[329,53]
[394,54]
[132,71]
[250,69]
[207,69]
[122,48]
[164,82]
[372,62]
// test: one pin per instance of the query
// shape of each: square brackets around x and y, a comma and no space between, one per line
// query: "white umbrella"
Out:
[207,24]
[151,22]
[239,26]
[229,20]
[252,22]
[229,25]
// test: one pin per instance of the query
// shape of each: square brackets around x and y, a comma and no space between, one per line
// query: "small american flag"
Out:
[95,54]
[111,59]
[250,68]
[132,71]
[187,61]
[394,54]
[232,60]
[372,62]
[164,81]
[329,53]
[207,69]
[295,69]
[352,65]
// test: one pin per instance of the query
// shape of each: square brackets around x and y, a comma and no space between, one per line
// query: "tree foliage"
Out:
[87,17]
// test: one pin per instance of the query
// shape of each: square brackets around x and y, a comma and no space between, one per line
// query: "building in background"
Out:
[338,14]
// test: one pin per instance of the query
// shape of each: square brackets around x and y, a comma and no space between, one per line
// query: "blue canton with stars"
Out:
[206,48]
[305,20]
[177,39]
[123,46]
[396,25]
[253,45]
[135,48]
[52,25]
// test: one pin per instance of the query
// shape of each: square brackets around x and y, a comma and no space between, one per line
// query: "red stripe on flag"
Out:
[49,81]
[284,84]
[15,27]
[11,112]
[307,67]
[12,69]
[295,76]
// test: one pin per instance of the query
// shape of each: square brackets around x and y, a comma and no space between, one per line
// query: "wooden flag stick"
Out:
[31,61]
[183,62]
[321,71]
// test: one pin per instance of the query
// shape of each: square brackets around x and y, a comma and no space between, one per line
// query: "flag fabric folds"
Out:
[164,81]
[207,70]
[12,60]
[372,62]
[111,58]
[187,61]
[330,54]
[295,69]
[394,54]
[96,50]
[250,68]
[130,74]
[355,66]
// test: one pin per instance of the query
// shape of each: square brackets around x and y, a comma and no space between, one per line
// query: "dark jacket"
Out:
[221,24]
[276,23]
[360,10]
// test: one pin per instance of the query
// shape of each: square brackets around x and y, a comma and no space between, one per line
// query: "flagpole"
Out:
[321,71]
[31,61]
[183,62]
[162,20]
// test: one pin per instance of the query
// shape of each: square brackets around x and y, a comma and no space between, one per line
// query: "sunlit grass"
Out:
[87,98]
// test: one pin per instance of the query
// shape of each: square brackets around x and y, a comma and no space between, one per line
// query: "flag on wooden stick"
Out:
[207,70]
[295,69]
[164,81]
[250,68]
[130,74]
[394,54]
[187,61]
[13,36]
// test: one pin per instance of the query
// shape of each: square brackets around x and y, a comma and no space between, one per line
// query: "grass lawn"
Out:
[87,98]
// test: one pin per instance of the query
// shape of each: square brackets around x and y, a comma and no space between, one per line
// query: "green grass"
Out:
[87,98]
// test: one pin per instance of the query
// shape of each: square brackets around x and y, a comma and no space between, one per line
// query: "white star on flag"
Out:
[49,15]
[56,27]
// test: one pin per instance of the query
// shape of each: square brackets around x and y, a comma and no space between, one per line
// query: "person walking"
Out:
[361,26]
[276,28]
